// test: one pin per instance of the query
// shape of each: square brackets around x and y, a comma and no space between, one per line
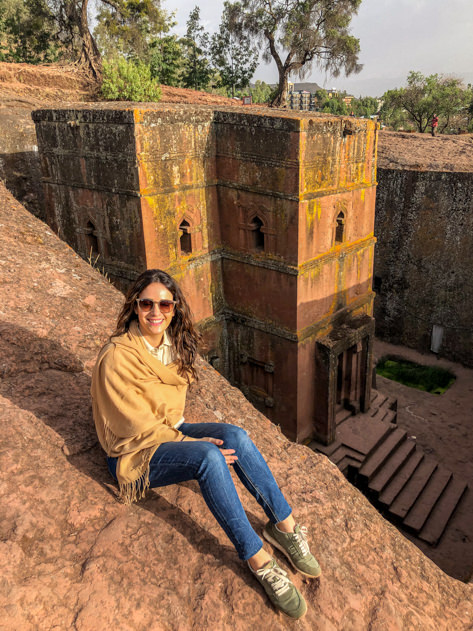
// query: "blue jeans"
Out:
[180,461]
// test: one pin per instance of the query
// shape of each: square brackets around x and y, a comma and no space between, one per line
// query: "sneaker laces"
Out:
[300,537]
[276,577]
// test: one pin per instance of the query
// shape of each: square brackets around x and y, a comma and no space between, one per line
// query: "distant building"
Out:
[302,100]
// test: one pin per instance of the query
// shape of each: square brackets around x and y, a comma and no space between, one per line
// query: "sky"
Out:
[396,36]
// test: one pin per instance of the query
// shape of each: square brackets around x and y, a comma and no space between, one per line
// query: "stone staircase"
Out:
[410,488]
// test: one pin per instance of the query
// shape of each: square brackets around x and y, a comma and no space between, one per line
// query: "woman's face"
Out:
[153,323]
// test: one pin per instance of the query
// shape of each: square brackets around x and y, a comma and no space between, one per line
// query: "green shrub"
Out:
[428,378]
[128,81]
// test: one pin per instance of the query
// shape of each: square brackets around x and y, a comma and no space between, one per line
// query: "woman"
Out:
[139,388]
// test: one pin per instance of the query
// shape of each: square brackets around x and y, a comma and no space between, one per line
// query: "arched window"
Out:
[340,228]
[256,235]
[92,240]
[185,239]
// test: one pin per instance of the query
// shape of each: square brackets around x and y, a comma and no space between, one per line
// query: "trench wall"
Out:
[423,260]
[20,167]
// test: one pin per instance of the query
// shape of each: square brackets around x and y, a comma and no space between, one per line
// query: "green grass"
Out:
[427,378]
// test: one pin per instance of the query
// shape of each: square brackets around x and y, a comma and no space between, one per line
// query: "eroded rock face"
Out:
[72,557]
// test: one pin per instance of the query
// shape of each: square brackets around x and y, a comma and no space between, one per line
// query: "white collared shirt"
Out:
[165,354]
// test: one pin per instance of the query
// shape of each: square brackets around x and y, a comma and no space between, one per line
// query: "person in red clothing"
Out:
[434,123]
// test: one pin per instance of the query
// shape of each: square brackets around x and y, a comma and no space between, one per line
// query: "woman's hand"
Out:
[228,454]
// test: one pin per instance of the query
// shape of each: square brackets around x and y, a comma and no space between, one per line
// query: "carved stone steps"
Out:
[414,487]
[380,455]
[426,501]
[327,450]
[385,414]
[346,462]
[392,466]
[411,489]
[377,400]
[362,434]
[344,451]
[404,474]
[443,511]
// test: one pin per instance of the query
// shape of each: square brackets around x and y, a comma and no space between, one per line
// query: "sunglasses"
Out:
[165,306]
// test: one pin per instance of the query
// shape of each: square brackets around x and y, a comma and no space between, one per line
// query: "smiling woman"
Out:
[139,387]
[155,308]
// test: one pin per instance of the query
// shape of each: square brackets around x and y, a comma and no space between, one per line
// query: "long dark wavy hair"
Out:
[182,332]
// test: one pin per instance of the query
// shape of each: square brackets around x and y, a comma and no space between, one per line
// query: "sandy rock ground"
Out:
[72,557]
[25,85]
[400,150]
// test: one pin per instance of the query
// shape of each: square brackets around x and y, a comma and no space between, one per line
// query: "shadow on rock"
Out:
[196,535]
[44,378]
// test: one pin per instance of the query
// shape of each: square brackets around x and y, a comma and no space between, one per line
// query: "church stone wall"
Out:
[90,180]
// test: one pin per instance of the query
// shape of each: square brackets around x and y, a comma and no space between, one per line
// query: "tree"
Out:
[364,106]
[197,69]
[331,104]
[298,34]
[235,59]
[166,61]
[72,29]
[130,28]
[261,92]
[27,32]
[423,98]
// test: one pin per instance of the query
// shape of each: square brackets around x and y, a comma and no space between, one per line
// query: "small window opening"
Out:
[340,228]
[92,240]
[185,238]
[257,235]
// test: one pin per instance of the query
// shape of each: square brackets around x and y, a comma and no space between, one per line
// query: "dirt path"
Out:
[442,424]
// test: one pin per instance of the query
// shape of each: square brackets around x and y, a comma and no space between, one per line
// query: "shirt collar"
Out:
[166,341]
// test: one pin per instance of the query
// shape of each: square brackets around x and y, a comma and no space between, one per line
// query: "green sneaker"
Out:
[294,545]
[282,593]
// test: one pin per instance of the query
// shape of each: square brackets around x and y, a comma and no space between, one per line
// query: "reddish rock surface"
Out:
[422,152]
[27,84]
[72,557]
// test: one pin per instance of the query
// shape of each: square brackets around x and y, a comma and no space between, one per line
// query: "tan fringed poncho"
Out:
[136,401]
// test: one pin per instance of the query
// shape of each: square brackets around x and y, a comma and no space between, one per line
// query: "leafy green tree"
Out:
[27,32]
[166,60]
[261,92]
[331,105]
[364,106]
[129,28]
[423,98]
[298,34]
[235,59]
[128,80]
[196,43]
